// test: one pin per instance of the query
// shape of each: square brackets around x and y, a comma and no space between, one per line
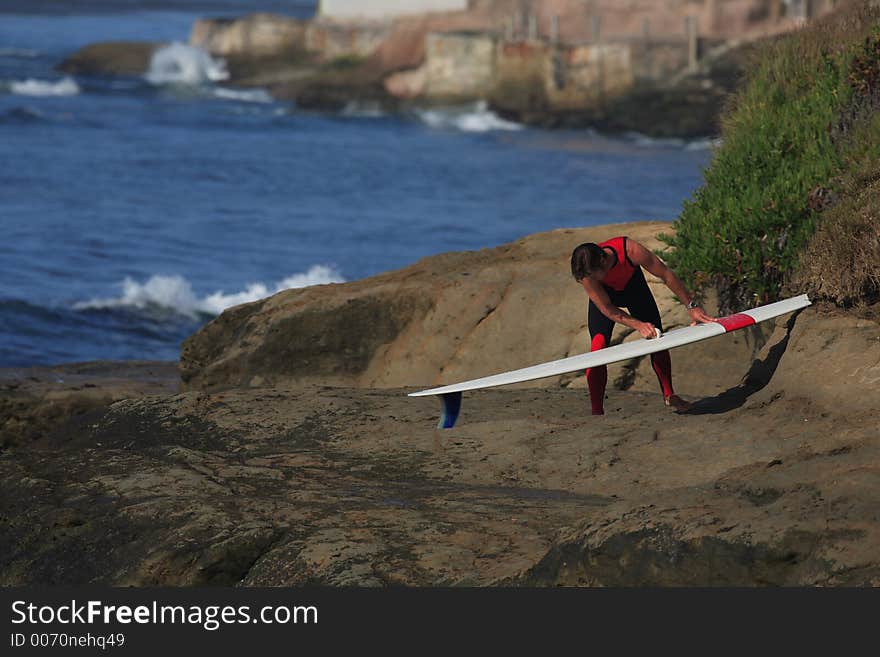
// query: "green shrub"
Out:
[787,138]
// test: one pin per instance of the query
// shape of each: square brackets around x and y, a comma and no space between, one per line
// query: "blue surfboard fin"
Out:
[451,408]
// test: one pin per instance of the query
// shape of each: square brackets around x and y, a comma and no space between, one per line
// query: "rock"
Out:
[406,84]
[322,485]
[295,458]
[443,319]
[111,58]
[34,401]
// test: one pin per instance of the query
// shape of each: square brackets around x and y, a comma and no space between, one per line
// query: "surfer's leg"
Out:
[642,306]
[662,364]
[597,377]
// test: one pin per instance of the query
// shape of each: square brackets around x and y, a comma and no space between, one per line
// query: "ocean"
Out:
[133,210]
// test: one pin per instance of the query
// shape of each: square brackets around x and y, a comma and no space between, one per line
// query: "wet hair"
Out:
[586,258]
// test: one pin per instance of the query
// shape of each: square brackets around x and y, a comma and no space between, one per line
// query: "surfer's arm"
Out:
[600,297]
[639,255]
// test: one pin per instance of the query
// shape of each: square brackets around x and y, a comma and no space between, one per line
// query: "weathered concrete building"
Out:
[459,65]
[544,76]
[269,35]
[546,55]
[257,35]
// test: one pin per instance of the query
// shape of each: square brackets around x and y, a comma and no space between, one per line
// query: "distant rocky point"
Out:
[127,58]
[660,70]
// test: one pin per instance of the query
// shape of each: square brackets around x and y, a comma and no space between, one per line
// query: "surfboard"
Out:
[450,395]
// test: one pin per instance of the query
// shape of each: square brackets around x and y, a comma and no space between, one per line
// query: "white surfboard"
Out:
[451,394]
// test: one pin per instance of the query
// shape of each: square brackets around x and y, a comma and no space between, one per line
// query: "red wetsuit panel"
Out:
[618,276]
[733,322]
[597,378]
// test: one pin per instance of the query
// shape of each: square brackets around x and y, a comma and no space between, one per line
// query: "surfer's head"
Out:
[588,260]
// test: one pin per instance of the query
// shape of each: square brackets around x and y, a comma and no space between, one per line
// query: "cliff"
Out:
[270,470]
[663,69]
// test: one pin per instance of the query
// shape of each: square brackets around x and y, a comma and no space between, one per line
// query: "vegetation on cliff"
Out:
[791,197]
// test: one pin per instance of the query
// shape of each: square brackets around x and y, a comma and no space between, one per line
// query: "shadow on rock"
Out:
[758,376]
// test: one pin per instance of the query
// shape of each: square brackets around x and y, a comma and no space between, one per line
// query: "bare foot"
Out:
[679,404]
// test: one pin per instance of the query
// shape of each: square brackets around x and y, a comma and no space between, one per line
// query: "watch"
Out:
[692,304]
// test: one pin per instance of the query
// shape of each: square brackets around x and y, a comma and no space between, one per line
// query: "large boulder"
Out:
[443,319]
[111,58]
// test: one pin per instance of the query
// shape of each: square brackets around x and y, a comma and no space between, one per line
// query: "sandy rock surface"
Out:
[289,480]
[444,319]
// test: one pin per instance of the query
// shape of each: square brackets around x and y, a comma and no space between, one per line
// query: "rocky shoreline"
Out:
[254,473]
[642,85]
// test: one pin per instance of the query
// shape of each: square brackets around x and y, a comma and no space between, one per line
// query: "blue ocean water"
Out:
[132,210]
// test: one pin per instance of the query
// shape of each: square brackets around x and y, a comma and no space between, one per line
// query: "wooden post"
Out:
[533,27]
[596,25]
[554,29]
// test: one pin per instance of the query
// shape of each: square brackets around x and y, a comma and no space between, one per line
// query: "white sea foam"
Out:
[244,95]
[472,118]
[175,293]
[673,142]
[23,53]
[31,87]
[703,144]
[179,63]
[654,142]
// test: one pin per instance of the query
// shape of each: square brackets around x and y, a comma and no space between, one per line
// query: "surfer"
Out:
[611,274]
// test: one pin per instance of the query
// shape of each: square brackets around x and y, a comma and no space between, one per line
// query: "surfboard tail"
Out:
[451,402]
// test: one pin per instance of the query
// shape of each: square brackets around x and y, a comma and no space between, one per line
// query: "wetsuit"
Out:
[627,288]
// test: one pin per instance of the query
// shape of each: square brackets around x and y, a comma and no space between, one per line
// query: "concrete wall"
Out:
[257,35]
[346,9]
[459,65]
[656,60]
[267,35]
[521,71]
[331,40]
[541,76]
[582,76]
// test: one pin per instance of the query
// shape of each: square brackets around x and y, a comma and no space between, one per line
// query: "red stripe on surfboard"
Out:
[738,321]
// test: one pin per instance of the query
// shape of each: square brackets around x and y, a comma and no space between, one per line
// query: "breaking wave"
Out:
[175,293]
[31,87]
[244,95]
[179,63]
[472,118]
[704,144]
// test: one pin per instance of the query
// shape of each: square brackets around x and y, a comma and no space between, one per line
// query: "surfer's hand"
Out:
[647,330]
[699,316]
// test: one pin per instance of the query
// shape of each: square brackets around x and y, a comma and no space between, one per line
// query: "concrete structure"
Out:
[383,9]
[537,76]
[584,76]
[257,35]
[268,35]
[459,65]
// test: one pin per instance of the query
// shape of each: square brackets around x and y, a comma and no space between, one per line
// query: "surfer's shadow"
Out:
[759,375]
